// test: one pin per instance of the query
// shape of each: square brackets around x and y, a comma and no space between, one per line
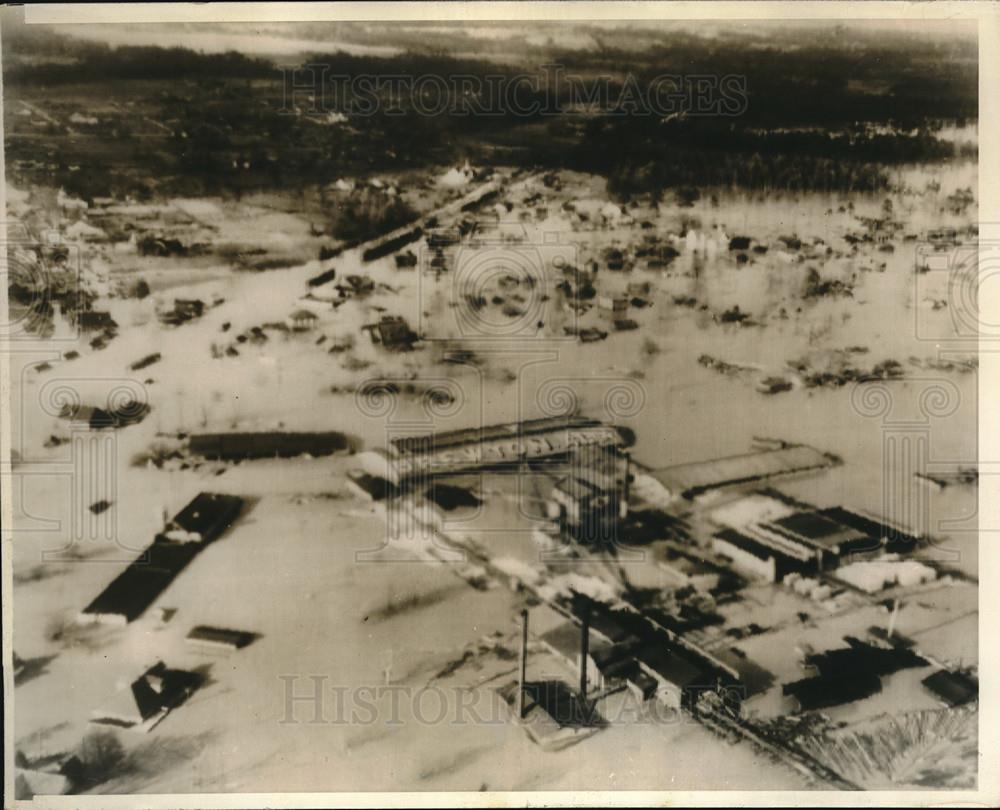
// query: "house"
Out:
[302,320]
[952,688]
[613,307]
[95,418]
[219,638]
[148,699]
[93,320]
[405,261]
[355,285]
[185,309]
[392,332]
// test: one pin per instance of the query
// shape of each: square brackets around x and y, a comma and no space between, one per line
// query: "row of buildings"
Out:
[770,537]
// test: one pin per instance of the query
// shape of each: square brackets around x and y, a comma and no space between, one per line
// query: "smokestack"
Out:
[524,665]
[584,650]
[626,486]
[892,619]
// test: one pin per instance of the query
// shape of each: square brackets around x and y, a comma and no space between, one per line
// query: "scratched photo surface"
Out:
[506,406]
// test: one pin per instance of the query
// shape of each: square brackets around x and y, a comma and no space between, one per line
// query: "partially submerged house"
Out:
[148,699]
[95,320]
[302,320]
[94,418]
[392,332]
[952,688]
[219,639]
[184,309]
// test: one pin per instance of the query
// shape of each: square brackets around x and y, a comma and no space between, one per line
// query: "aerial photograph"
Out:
[491,405]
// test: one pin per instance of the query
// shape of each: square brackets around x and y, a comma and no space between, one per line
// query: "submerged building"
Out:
[497,447]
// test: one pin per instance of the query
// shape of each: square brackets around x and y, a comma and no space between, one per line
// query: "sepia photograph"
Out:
[496,404]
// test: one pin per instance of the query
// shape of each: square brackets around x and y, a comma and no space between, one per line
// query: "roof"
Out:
[156,689]
[139,585]
[691,479]
[576,487]
[220,635]
[745,543]
[564,639]
[303,314]
[507,430]
[209,514]
[818,530]
[953,687]
[872,528]
[670,666]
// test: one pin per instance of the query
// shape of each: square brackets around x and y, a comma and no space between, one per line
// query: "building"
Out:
[613,307]
[136,588]
[498,447]
[95,418]
[219,638]
[302,320]
[588,506]
[392,332]
[185,309]
[267,444]
[688,571]
[94,320]
[148,699]
[748,554]
[952,688]
[677,677]
[825,535]
[608,660]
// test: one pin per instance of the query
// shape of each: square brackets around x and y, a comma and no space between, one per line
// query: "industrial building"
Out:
[769,536]
[128,595]
[496,447]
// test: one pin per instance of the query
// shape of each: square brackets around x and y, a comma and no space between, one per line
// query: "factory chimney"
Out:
[524,665]
[584,650]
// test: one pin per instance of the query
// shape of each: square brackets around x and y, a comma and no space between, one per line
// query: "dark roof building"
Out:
[952,688]
[148,698]
[219,637]
[824,533]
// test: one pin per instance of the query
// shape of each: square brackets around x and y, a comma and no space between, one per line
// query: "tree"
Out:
[101,754]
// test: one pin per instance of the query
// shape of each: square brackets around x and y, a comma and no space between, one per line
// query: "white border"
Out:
[988,17]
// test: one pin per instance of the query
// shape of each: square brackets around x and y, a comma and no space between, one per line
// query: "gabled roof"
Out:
[158,688]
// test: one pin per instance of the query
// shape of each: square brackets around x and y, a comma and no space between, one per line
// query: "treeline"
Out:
[138,62]
[812,119]
[640,160]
